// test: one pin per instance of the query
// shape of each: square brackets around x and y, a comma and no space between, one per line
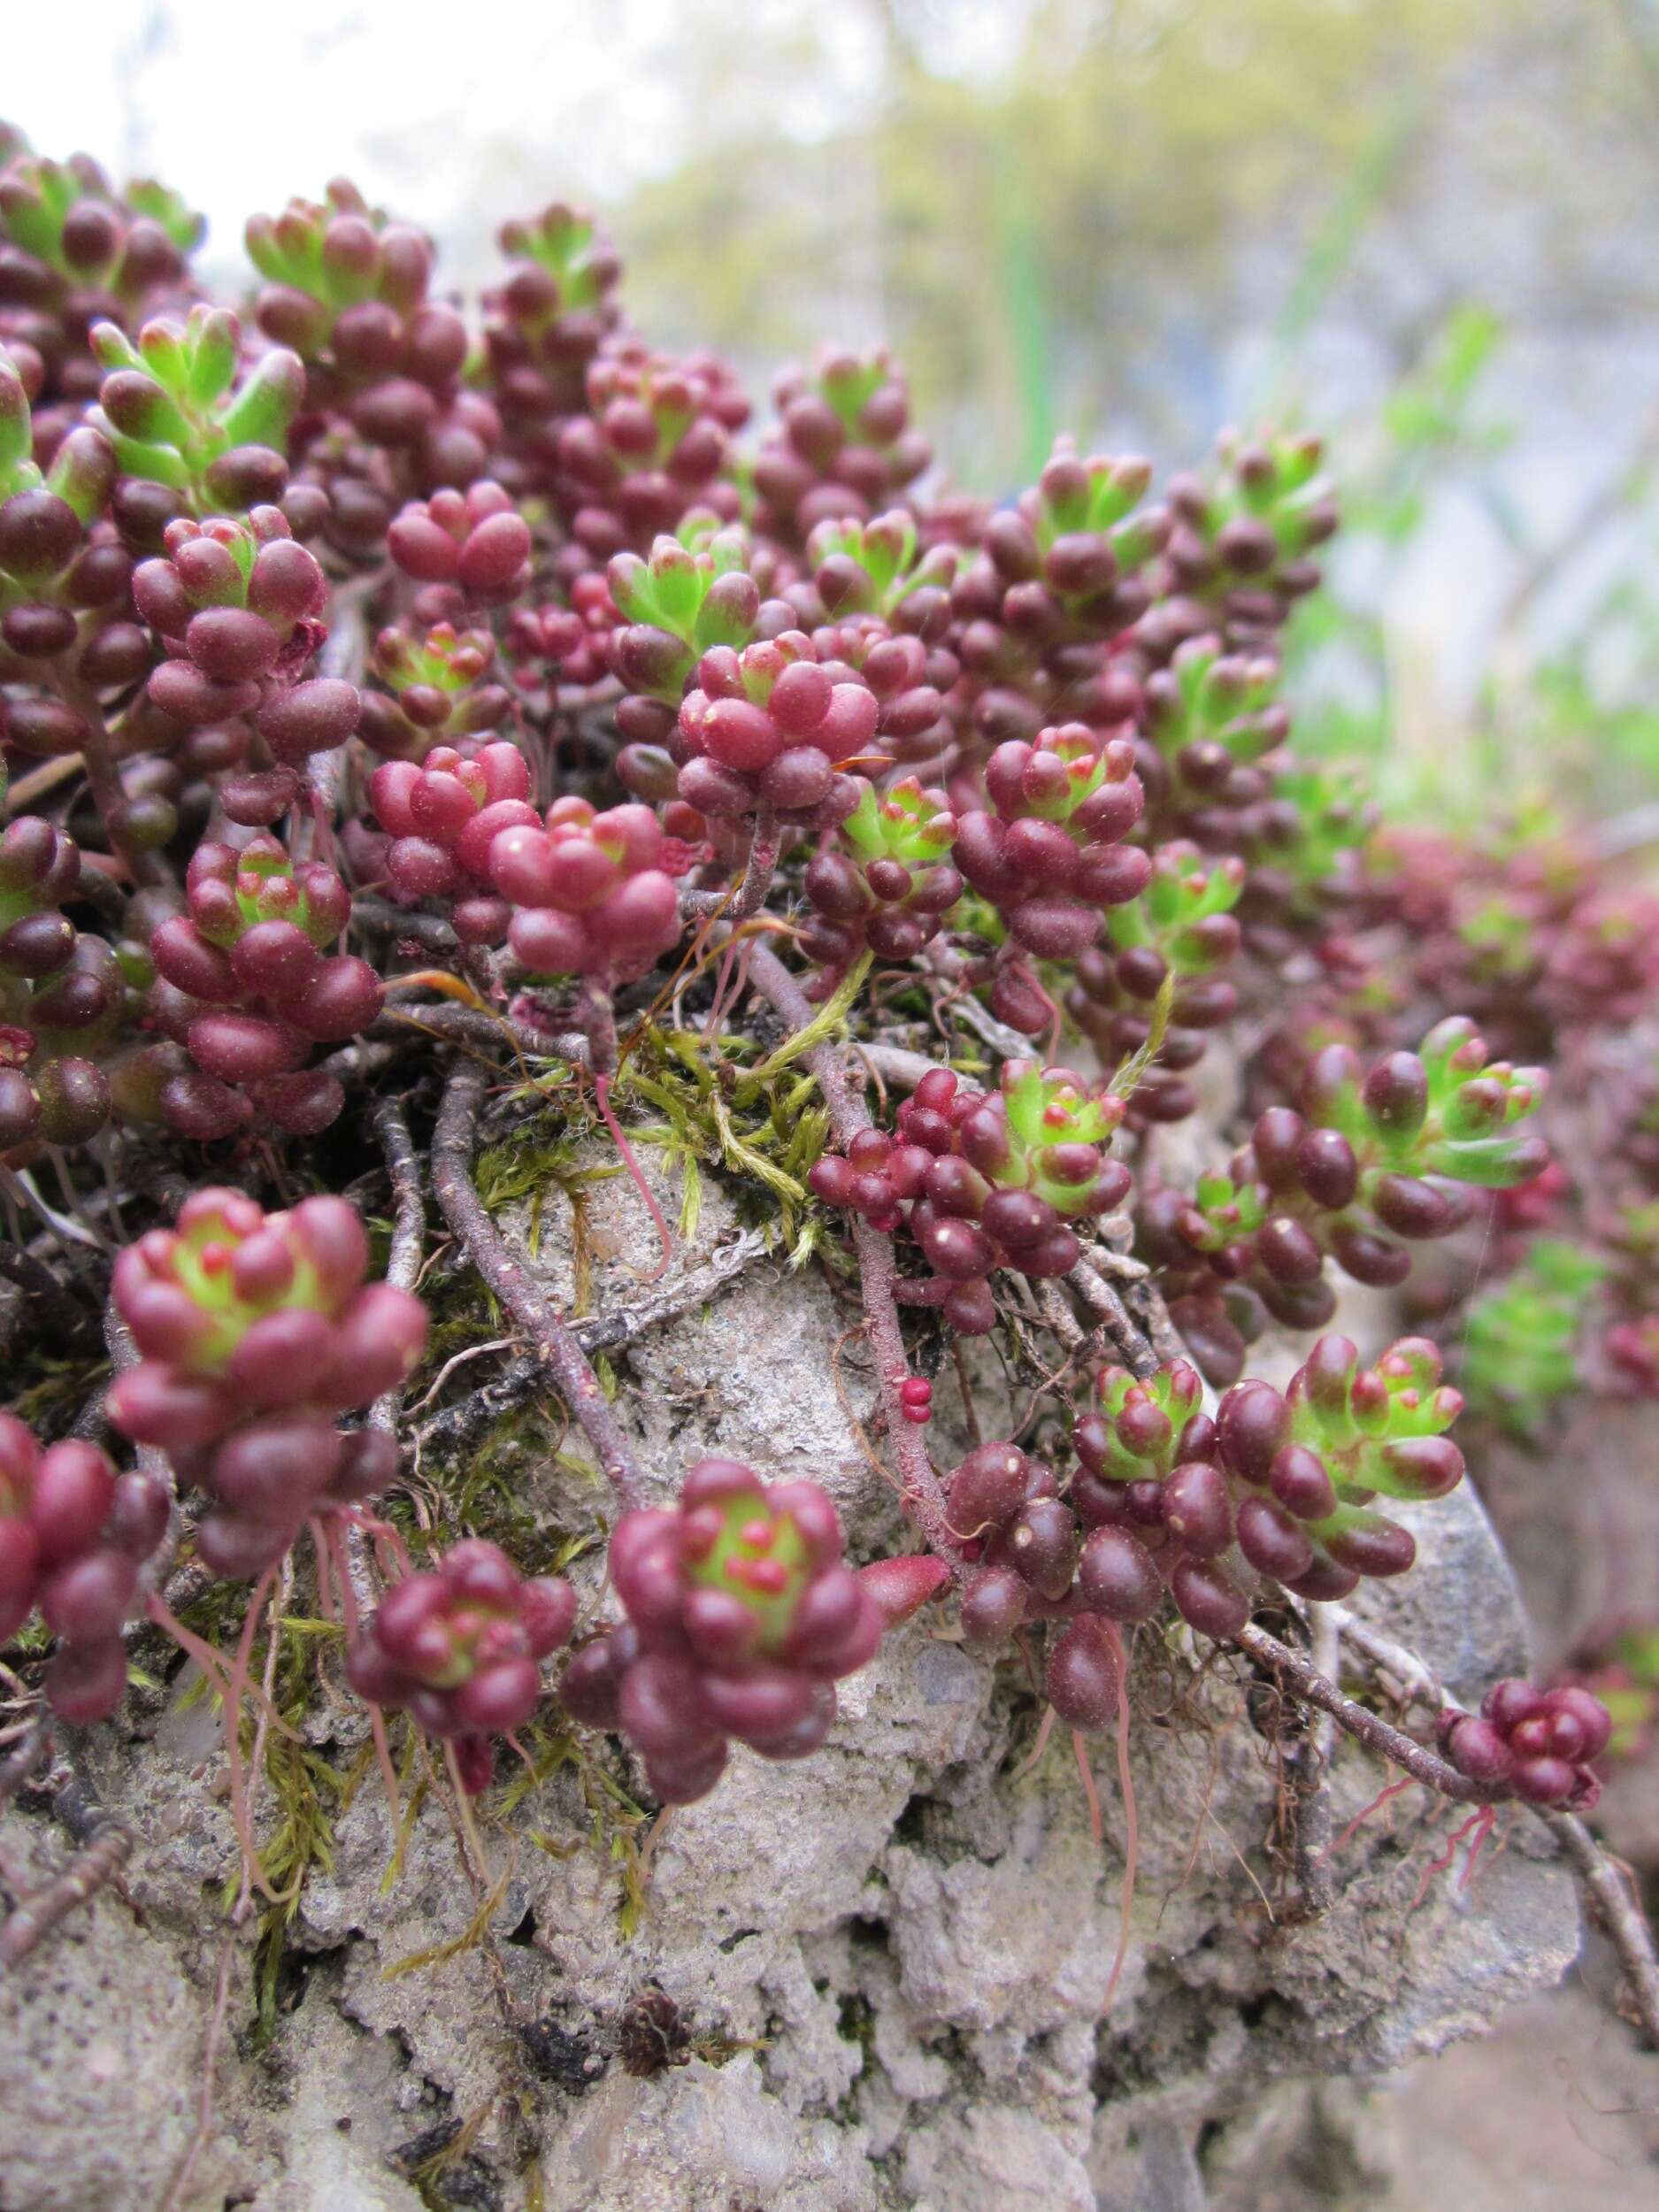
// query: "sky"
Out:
[438,111]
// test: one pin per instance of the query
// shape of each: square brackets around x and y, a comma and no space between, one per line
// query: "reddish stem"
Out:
[535,1313]
[601,1092]
[923,1492]
[763,847]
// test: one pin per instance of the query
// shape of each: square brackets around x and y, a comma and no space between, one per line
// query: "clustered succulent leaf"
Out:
[378,649]
[742,1616]
[254,1333]
[460,1645]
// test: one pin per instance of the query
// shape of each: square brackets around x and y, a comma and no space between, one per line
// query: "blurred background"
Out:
[1423,228]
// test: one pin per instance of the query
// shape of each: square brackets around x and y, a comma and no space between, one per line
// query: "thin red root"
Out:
[653,1837]
[601,1091]
[1480,1821]
[1033,1757]
[326,1597]
[1080,1748]
[236,1689]
[723,994]
[1131,1819]
[1056,1023]
[1483,1827]
[469,1826]
[386,1535]
[211,1661]
[1361,1818]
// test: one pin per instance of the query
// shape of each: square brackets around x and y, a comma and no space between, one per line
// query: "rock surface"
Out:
[889,1961]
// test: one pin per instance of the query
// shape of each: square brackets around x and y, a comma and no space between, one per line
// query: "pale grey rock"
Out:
[100,2044]
[700,2137]
[891,1960]
[994,2159]
[331,2140]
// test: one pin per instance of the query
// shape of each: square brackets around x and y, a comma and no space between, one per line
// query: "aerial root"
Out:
[1477,1827]
[601,1092]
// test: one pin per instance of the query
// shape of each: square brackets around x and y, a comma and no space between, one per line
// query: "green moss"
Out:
[58,1390]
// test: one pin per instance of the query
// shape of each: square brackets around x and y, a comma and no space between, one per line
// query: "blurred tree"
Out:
[1064,212]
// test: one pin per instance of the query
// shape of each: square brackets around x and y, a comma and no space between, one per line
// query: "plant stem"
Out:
[104,1845]
[459,1425]
[763,847]
[535,1313]
[1618,1908]
[923,1492]
[18,1764]
[1377,1734]
[103,778]
[1620,1914]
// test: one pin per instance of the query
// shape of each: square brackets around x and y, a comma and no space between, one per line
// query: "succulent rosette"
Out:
[235,604]
[246,985]
[987,1182]
[1052,856]
[1180,927]
[1316,1457]
[648,447]
[1372,1162]
[460,1645]
[693,593]
[254,1331]
[1068,557]
[1243,541]
[430,688]
[1534,1744]
[184,413]
[742,1616]
[588,891]
[548,320]
[878,569]
[1157,1501]
[443,816]
[845,444]
[475,542]
[884,880]
[768,728]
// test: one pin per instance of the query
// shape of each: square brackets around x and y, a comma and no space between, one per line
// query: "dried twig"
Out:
[1299,1673]
[36,1915]
[458,1426]
[535,1313]
[492,1032]
[408,1227]
[46,1303]
[381,920]
[18,1763]
[1618,1911]
[105,1846]
[1137,1353]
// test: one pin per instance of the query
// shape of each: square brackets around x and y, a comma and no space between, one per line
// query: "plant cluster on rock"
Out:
[389,687]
